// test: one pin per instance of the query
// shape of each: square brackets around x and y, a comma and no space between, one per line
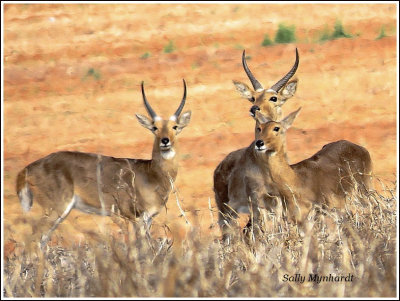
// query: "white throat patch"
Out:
[168,155]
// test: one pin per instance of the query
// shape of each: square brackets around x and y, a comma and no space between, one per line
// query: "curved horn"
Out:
[286,78]
[254,82]
[180,108]
[151,112]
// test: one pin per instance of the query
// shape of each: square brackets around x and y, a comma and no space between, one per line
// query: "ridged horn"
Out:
[151,112]
[180,108]
[288,76]
[254,82]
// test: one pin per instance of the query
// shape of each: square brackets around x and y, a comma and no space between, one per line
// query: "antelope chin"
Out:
[165,147]
[261,149]
[167,153]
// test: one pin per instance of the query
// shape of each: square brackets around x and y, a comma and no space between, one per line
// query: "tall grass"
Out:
[360,241]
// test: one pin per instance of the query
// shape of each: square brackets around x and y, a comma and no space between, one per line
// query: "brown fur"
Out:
[236,175]
[99,184]
[324,179]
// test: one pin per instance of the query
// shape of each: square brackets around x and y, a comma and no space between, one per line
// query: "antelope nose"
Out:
[165,141]
[253,110]
[259,143]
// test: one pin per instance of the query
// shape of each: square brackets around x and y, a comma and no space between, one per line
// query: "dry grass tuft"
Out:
[361,241]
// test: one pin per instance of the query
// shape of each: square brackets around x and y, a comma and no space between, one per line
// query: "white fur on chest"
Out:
[168,155]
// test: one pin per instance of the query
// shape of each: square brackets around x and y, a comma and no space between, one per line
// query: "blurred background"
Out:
[72,75]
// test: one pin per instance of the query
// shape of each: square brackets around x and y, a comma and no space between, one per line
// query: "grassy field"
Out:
[359,247]
[72,77]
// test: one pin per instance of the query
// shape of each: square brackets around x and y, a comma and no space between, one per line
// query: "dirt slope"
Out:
[72,78]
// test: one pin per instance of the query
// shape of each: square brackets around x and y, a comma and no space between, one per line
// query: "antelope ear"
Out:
[145,122]
[183,121]
[261,118]
[244,90]
[288,91]
[287,122]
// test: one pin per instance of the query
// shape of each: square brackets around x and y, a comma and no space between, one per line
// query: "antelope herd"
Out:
[257,176]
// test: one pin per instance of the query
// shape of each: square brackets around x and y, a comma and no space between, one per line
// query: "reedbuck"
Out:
[232,186]
[268,101]
[100,184]
[324,179]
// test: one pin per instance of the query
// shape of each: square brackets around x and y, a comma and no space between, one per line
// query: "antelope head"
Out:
[269,134]
[268,101]
[165,131]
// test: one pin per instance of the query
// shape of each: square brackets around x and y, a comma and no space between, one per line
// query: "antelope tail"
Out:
[24,192]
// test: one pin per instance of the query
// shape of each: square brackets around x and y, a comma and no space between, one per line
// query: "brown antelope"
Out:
[98,184]
[324,179]
[231,184]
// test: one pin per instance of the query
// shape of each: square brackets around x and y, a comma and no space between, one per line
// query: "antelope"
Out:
[324,179]
[231,176]
[268,101]
[97,184]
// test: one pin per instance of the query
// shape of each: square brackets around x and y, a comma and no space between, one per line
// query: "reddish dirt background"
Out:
[72,78]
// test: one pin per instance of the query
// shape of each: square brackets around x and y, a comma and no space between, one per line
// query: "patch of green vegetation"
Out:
[92,72]
[170,47]
[267,41]
[325,35]
[382,34]
[145,55]
[235,9]
[339,31]
[285,34]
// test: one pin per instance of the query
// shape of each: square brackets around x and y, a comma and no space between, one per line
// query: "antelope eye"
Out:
[253,99]
[276,129]
[273,98]
[175,127]
[154,128]
[258,129]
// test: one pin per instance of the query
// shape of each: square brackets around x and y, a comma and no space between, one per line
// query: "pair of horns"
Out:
[178,111]
[256,84]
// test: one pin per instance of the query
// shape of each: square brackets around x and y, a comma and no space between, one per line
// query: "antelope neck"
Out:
[280,170]
[166,163]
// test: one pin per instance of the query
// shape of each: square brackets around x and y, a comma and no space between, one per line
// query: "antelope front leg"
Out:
[255,200]
[226,221]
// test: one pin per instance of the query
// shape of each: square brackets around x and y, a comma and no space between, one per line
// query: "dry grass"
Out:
[359,241]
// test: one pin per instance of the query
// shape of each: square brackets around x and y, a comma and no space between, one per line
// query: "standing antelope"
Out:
[325,178]
[95,183]
[232,186]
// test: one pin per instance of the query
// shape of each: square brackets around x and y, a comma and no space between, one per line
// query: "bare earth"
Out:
[72,78]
